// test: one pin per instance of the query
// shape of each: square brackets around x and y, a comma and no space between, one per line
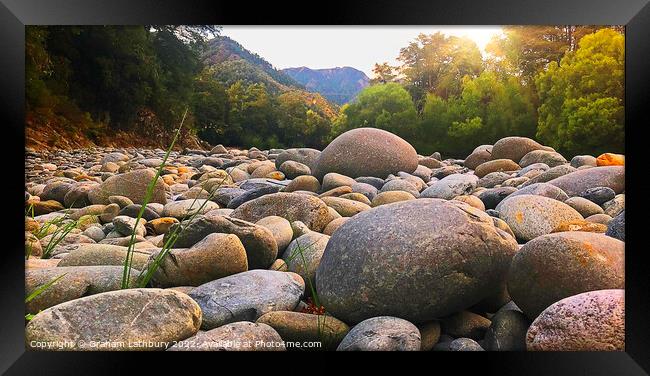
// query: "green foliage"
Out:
[437,64]
[385,106]
[582,98]
[487,109]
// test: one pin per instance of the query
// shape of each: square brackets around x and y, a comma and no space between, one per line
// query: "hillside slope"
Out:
[339,85]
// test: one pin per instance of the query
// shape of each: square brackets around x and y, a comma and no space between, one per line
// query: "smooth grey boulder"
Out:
[247,296]
[419,259]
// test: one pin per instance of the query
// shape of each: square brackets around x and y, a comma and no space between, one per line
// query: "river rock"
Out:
[583,206]
[280,228]
[598,195]
[293,169]
[507,331]
[616,227]
[75,282]
[383,333]
[366,152]
[495,165]
[578,181]
[214,257]
[451,186]
[260,245]
[515,148]
[549,158]
[555,266]
[390,197]
[477,158]
[186,208]
[305,156]
[493,196]
[303,183]
[345,207]
[133,319]
[305,327]
[465,344]
[530,216]
[312,211]
[375,264]
[549,175]
[100,254]
[591,321]
[493,179]
[131,184]
[303,255]
[465,324]
[615,206]
[541,189]
[238,336]
[247,296]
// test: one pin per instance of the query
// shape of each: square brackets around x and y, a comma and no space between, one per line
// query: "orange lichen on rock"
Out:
[581,225]
[610,159]
[519,217]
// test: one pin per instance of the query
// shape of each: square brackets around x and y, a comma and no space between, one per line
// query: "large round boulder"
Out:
[591,321]
[558,265]
[367,152]
[419,260]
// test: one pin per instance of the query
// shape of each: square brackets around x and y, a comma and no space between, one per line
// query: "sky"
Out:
[337,46]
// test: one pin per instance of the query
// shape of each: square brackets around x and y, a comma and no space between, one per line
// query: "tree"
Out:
[384,73]
[524,51]
[437,64]
[210,108]
[582,97]
[488,108]
[251,113]
[385,106]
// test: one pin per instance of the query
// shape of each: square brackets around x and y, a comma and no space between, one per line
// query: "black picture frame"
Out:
[635,14]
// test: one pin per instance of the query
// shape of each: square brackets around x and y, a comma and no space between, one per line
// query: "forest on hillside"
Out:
[562,85]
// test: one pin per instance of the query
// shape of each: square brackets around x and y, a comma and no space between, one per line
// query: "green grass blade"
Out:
[41,289]
[128,260]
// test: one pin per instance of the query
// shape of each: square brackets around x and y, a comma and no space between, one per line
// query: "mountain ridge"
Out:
[338,84]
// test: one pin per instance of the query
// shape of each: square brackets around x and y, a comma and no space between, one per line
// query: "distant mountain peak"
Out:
[339,84]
